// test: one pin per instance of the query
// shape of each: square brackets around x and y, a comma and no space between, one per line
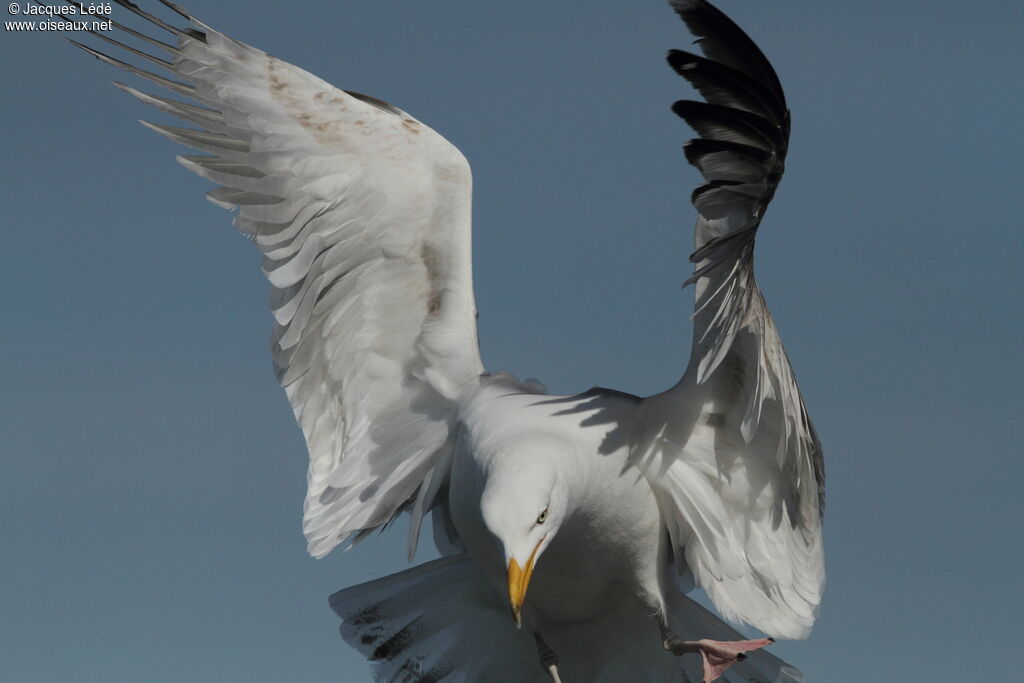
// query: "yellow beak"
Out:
[518,582]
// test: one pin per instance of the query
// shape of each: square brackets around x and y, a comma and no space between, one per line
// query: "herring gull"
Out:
[570,527]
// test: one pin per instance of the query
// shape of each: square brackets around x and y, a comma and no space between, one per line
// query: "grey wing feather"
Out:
[731,452]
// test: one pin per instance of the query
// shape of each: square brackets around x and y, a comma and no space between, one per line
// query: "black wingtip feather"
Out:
[713,185]
[138,53]
[181,33]
[130,31]
[721,40]
[177,9]
[721,84]
[695,149]
[713,120]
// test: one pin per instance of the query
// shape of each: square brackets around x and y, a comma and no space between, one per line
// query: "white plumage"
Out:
[612,502]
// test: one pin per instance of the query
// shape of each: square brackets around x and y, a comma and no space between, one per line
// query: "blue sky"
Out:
[152,476]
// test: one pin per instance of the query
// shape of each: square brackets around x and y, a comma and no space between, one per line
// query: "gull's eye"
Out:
[543,516]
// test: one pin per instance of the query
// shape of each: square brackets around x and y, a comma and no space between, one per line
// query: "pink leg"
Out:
[717,655]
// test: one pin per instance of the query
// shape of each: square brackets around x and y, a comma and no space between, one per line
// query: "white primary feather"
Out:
[363,217]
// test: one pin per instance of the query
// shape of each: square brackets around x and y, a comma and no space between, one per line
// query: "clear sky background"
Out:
[151,476]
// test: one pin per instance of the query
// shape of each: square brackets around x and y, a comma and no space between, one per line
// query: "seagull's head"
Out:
[523,504]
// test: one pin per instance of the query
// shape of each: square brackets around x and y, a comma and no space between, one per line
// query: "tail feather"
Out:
[436,622]
[441,622]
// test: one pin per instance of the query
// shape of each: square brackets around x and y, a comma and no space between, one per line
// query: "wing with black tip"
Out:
[730,451]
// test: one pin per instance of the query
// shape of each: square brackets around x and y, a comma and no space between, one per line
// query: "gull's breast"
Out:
[605,552]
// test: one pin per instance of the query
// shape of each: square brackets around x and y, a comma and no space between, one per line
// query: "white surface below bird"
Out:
[570,527]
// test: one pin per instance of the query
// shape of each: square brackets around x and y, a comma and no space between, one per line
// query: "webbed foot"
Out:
[717,655]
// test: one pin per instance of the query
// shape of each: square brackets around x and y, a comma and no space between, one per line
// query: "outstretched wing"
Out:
[730,451]
[363,217]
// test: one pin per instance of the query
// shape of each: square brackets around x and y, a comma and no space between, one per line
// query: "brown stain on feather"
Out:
[321,121]
[431,262]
